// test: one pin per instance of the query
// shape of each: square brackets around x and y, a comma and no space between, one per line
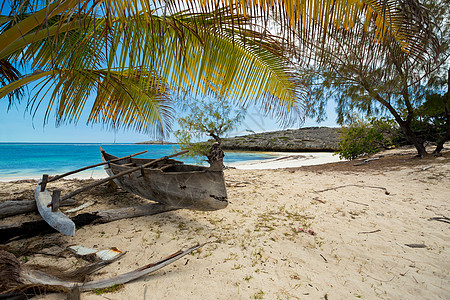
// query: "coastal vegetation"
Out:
[130,56]
[429,124]
[365,137]
[385,81]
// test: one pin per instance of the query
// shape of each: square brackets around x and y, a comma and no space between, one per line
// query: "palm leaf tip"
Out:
[9,74]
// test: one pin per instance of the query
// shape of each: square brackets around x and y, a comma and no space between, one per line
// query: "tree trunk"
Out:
[404,125]
[446,137]
[413,139]
[215,157]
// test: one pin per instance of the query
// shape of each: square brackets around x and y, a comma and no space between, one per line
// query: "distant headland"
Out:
[308,139]
[311,139]
[155,143]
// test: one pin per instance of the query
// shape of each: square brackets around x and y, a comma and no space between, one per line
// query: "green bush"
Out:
[361,137]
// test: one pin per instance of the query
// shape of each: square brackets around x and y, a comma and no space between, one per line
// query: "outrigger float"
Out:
[163,180]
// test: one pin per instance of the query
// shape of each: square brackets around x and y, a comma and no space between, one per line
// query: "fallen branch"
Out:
[357,185]
[12,208]
[33,228]
[380,279]
[39,277]
[365,161]
[440,219]
[358,202]
[42,281]
[416,245]
[237,183]
[364,232]
[317,199]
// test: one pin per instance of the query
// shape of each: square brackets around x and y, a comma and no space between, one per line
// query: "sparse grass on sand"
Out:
[335,231]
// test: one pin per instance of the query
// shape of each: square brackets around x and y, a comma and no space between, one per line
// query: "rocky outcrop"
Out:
[295,140]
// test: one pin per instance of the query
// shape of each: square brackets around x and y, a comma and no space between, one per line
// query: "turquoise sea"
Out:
[31,160]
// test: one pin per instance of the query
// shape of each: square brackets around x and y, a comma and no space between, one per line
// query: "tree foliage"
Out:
[130,55]
[364,80]
[429,122]
[206,118]
[362,137]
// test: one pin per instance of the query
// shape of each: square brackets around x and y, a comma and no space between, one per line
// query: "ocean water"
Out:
[31,160]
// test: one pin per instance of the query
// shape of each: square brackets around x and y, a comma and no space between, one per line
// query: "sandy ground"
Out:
[359,218]
[288,160]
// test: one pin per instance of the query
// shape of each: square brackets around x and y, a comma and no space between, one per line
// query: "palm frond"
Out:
[9,74]
[203,59]
[121,101]
[406,22]
[141,50]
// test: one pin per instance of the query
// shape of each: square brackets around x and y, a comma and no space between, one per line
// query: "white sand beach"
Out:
[333,231]
[288,160]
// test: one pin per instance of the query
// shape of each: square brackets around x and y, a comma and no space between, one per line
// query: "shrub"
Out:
[361,137]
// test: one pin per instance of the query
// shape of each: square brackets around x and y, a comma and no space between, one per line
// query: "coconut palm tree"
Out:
[132,54]
[131,63]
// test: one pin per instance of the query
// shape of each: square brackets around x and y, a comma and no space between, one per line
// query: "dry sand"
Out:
[260,248]
[288,160]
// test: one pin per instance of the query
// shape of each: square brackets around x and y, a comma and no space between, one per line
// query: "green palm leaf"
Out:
[181,56]
[131,54]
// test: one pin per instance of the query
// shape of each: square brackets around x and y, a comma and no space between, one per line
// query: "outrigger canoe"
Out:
[171,182]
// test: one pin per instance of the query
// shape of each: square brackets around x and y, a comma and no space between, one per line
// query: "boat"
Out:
[170,182]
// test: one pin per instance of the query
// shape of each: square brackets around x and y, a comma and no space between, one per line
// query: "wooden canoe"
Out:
[57,220]
[171,182]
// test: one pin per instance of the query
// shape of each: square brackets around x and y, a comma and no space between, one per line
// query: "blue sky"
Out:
[16,125]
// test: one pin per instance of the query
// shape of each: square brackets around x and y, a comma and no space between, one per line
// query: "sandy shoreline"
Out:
[259,246]
[288,160]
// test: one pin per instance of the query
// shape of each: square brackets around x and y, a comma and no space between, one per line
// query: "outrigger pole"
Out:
[92,166]
[120,175]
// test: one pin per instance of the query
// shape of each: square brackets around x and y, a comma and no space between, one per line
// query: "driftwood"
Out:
[81,207]
[355,185]
[365,161]
[416,245]
[356,202]
[24,276]
[440,219]
[13,207]
[33,228]
[366,232]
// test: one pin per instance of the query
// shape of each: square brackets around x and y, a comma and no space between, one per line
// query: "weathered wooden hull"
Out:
[172,183]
